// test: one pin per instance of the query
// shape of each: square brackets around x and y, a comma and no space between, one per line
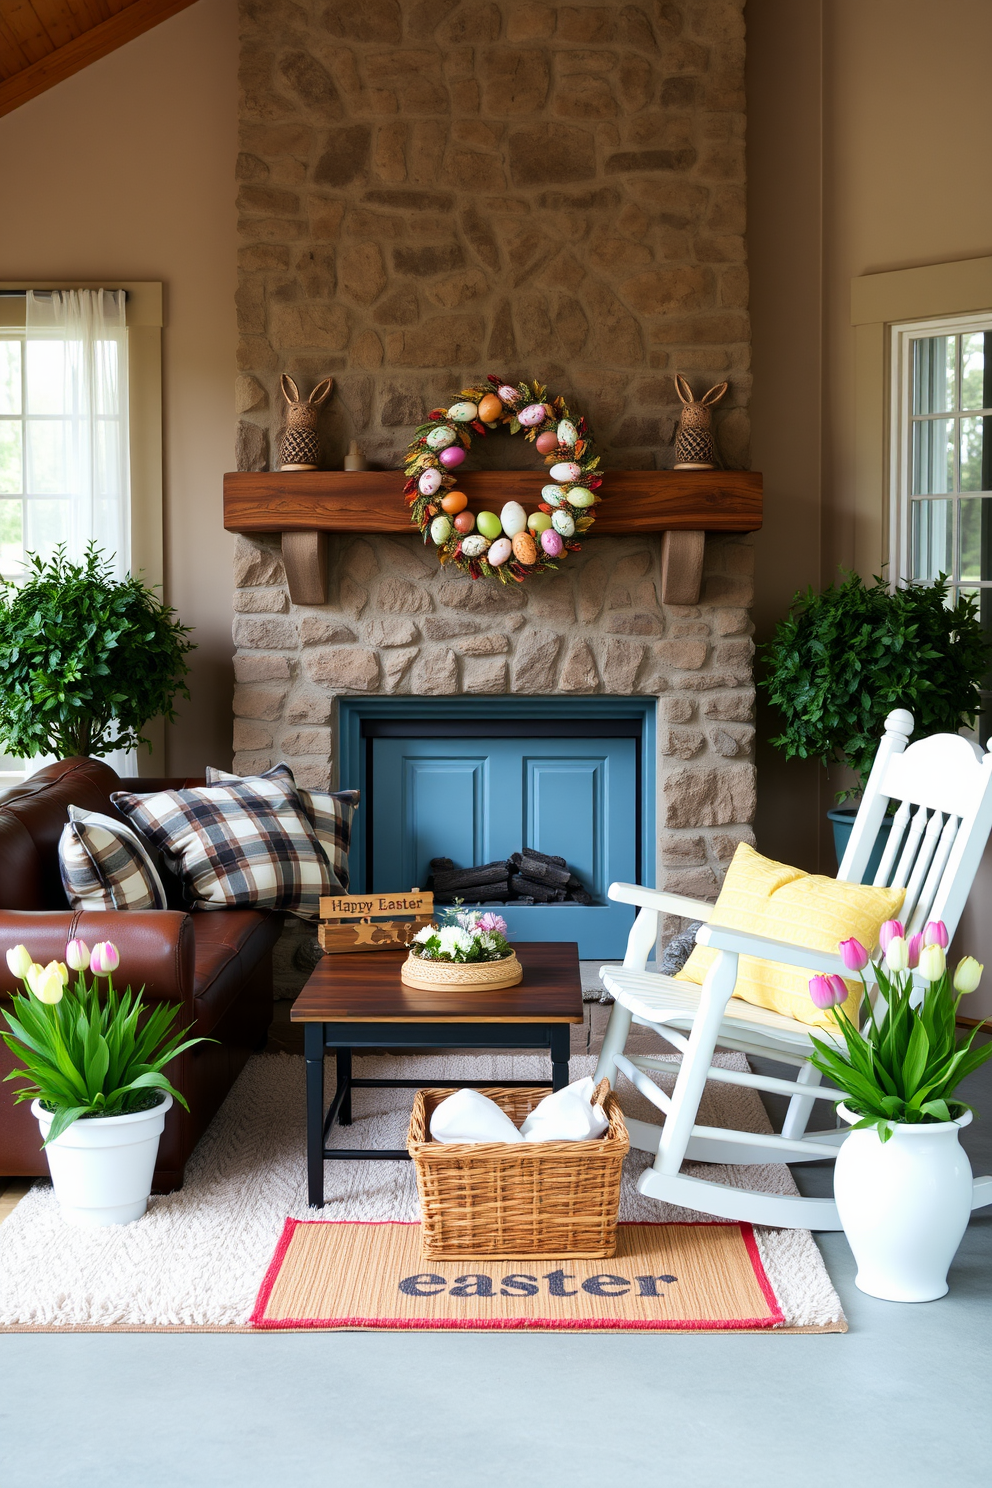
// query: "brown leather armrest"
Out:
[157,947]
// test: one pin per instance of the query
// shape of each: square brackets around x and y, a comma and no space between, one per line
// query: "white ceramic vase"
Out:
[904,1205]
[102,1166]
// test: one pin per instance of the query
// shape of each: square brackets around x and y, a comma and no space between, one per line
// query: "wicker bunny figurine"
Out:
[694,447]
[299,448]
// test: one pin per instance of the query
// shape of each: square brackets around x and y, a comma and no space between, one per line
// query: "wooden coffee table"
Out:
[358,1002]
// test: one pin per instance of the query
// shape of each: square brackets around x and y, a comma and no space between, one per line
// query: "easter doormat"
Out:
[339,1274]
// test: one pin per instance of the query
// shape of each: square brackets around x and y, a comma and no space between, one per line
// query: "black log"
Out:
[541,893]
[484,893]
[453,880]
[532,852]
[442,863]
[542,870]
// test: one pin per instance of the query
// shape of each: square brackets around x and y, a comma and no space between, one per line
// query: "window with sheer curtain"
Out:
[942,509]
[64,469]
[64,457]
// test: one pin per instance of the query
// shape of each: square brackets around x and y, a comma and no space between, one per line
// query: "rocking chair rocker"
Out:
[944,787]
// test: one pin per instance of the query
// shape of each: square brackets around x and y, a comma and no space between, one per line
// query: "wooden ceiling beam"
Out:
[134,20]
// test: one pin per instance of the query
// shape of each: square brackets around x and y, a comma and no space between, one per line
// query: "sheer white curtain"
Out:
[76,467]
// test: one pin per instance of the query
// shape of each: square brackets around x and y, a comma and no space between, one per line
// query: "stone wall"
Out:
[397,624]
[434,190]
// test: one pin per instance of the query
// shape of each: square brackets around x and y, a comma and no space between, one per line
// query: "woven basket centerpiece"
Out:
[461,975]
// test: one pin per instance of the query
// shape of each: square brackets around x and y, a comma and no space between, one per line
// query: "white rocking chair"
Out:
[938,835]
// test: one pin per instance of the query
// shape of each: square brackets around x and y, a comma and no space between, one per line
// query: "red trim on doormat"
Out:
[557,1325]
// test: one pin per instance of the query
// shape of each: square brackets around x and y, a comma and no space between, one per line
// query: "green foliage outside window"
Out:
[842,660]
[86,659]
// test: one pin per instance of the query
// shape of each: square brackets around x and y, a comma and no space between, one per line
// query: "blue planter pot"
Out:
[842,820]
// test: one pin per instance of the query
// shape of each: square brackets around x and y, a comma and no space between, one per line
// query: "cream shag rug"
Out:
[197,1258]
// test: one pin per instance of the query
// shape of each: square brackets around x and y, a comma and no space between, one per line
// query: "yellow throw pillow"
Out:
[803,909]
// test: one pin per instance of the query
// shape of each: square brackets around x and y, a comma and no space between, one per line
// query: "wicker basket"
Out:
[464,976]
[493,1199]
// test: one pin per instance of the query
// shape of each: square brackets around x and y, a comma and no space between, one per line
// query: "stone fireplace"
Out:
[437,190]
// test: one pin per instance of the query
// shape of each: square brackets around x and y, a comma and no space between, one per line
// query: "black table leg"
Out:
[314,1049]
[560,1048]
[343,1065]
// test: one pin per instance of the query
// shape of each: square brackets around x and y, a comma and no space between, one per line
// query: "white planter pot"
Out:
[102,1166]
[904,1205]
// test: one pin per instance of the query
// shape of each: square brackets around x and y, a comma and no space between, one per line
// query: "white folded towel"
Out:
[470,1116]
[566,1116]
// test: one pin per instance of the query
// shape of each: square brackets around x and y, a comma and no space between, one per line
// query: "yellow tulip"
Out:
[19,959]
[932,962]
[49,986]
[62,970]
[34,971]
[968,974]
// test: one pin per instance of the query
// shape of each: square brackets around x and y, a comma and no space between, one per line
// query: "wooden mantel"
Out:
[305,506]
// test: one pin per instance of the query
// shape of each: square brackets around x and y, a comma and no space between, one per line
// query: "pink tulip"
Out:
[936,934]
[889,931]
[77,954]
[913,948]
[854,955]
[104,958]
[827,991]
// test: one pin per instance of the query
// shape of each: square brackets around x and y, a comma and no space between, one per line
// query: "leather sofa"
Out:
[216,964]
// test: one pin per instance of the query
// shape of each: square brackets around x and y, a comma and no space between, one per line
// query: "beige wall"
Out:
[125,171]
[868,124]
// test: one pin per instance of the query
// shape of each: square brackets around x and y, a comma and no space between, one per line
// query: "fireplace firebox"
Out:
[477,781]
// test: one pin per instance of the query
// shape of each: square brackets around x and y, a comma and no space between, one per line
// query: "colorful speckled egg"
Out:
[441,437]
[566,471]
[509,395]
[474,546]
[499,552]
[440,530]
[452,456]
[463,413]
[534,413]
[567,432]
[552,544]
[580,496]
[563,523]
[490,408]
[429,482]
[513,518]
[553,495]
[524,549]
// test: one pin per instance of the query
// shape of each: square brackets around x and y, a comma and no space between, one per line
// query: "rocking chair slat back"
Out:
[943,786]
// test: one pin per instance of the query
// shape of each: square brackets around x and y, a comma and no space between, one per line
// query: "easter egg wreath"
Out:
[510,544]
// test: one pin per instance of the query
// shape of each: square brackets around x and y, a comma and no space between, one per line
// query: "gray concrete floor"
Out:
[903,1398]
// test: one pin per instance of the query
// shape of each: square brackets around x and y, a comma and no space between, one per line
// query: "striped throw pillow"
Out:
[105,864]
[330,813]
[237,845]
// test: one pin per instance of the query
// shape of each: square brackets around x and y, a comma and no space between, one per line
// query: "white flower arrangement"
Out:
[472,937]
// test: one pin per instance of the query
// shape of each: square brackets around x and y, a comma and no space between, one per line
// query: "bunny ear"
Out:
[715,394]
[290,391]
[683,389]
[321,391]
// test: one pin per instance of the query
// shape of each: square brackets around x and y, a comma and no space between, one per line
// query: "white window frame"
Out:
[901,423]
[145,321]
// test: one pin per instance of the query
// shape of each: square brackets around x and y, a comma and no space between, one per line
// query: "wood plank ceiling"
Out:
[44,41]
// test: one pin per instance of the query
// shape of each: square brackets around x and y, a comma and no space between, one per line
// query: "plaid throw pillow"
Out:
[236,846]
[105,865]
[329,813]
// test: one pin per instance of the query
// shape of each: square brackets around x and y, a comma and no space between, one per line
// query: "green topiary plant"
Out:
[86,658]
[842,660]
